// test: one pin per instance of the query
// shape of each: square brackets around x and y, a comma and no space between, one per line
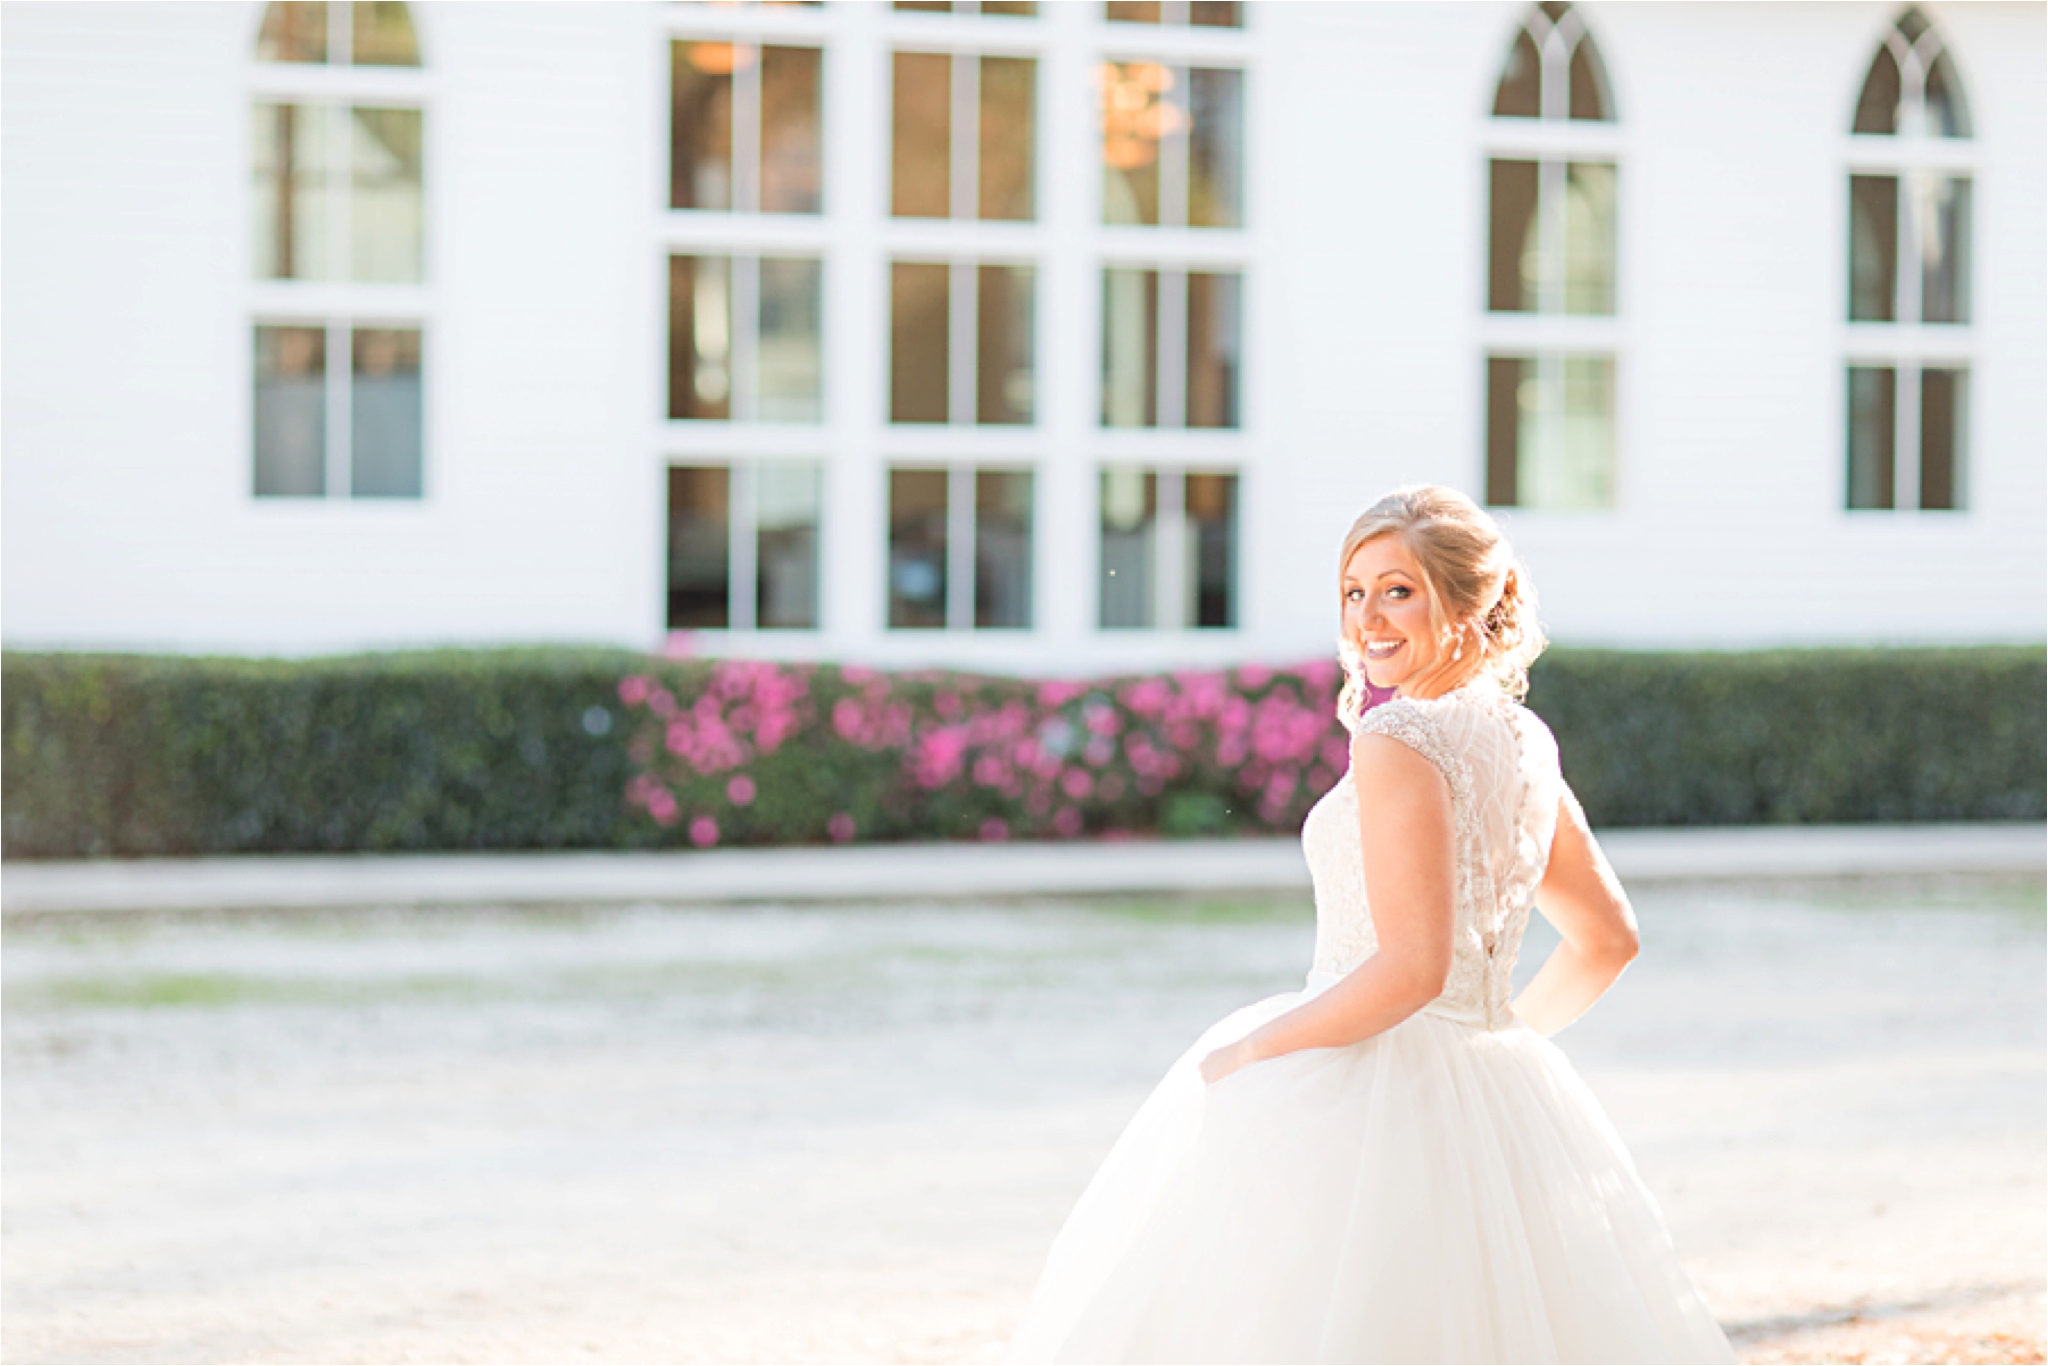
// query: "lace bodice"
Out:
[1501,764]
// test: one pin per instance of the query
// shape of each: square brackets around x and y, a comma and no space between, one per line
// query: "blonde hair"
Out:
[1475,585]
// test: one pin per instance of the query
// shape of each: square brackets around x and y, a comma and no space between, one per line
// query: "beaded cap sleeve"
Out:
[1500,763]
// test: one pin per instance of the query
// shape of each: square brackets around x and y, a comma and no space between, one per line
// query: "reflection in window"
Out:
[1943,438]
[1022,9]
[1002,549]
[1168,550]
[962,340]
[302,196]
[744,127]
[337,201]
[960,549]
[1214,326]
[699,549]
[384,195]
[789,503]
[1912,89]
[789,352]
[1873,430]
[1130,535]
[918,558]
[1553,70]
[1552,237]
[1909,286]
[372,33]
[964,136]
[1172,145]
[1201,13]
[384,412]
[745,338]
[743,546]
[1915,458]
[291,199]
[1550,431]
[1211,579]
[291,412]
[1170,348]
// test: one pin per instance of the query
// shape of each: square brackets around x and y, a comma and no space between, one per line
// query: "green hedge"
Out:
[140,755]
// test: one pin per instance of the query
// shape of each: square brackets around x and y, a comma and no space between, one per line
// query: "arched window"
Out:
[1910,180]
[1552,269]
[337,151]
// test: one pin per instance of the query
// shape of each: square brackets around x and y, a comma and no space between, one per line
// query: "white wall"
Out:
[126,511]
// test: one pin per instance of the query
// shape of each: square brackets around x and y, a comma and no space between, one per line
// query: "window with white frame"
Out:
[961,341]
[745,337]
[1552,271]
[1172,145]
[963,149]
[745,123]
[1020,9]
[743,545]
[1169,552]
[1170,339]
[1173,323]
[337,151]
[960,548]
[1201,13]
[1911,172]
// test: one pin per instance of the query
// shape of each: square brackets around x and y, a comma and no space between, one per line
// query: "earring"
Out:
[1458,653]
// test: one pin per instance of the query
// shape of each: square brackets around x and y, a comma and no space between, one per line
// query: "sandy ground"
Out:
[849,1133]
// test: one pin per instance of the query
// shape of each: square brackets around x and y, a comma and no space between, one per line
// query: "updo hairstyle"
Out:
[1476,587]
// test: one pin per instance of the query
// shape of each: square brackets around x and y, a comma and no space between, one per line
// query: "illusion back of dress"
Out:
[1501,765]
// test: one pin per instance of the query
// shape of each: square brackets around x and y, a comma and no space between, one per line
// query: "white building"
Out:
[1053,337]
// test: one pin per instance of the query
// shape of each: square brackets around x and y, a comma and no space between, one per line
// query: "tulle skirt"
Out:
[1439,1192]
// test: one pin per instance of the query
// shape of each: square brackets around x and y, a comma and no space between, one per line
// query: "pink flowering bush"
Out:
[743,752]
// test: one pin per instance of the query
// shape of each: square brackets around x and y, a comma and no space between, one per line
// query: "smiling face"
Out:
[1387,616]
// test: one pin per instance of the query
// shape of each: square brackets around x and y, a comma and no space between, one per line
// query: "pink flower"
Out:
[840,827]
[1058,694]
[662,806]
[1146,697]
[994,829]
[1067,821]
[1076,783]
[661,702]
[678,645]
[703,832]
[740,791]
[1254,676]
[633,691]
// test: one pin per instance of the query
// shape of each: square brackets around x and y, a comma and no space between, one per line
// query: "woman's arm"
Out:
[1582,897]
[1404,816]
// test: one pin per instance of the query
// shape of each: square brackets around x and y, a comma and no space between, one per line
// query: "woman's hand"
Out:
[1226,1060]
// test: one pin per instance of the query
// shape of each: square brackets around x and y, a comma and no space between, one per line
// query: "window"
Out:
[1203,13]
[743,546]
[1023,9]
[1169,549]
[1909,286]
[961,338]
[960,548]
[745,338]
[337,231]
[1172,145]
[744,130]
[1552,287]
[963,136]
[1170,347]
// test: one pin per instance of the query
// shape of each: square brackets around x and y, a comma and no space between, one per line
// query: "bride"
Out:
[1394,1164]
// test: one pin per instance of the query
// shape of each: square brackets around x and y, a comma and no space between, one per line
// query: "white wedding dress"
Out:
[1447,1190]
